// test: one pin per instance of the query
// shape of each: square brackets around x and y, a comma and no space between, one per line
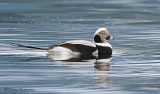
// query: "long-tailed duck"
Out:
[81,46]
[86,47]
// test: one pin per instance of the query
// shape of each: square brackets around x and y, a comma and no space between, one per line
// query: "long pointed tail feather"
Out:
[25,46]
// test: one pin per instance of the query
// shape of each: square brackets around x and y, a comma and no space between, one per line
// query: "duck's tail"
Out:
[25,46]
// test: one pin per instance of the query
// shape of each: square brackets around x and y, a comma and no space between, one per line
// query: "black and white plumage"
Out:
[77,47]
[86,47]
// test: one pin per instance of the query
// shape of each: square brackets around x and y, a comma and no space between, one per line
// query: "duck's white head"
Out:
[101,35]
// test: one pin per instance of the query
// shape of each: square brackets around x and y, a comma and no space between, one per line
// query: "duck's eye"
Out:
[102,33]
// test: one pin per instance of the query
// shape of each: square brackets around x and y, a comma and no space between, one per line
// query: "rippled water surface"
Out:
[133,69]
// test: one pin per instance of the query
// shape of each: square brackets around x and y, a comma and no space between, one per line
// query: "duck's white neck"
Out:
[106,44]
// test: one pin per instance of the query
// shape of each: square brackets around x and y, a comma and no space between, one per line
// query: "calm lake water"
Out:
[133,69]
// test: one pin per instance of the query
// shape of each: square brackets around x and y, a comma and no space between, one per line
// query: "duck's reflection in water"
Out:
[102,65]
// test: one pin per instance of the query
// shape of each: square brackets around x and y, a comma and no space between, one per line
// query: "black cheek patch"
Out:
[97,39]
[108,38]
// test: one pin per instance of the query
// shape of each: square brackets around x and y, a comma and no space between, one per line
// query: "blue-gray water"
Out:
[133,69]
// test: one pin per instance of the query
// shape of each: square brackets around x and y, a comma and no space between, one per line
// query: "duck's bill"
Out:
[109,38]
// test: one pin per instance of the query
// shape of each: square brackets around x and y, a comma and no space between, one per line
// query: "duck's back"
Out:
[80,46]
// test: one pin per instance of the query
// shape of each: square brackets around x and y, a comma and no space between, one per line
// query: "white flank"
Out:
[61,56]
[61,53]
[61,50]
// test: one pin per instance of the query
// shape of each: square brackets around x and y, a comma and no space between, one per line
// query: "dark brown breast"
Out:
[104,50]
